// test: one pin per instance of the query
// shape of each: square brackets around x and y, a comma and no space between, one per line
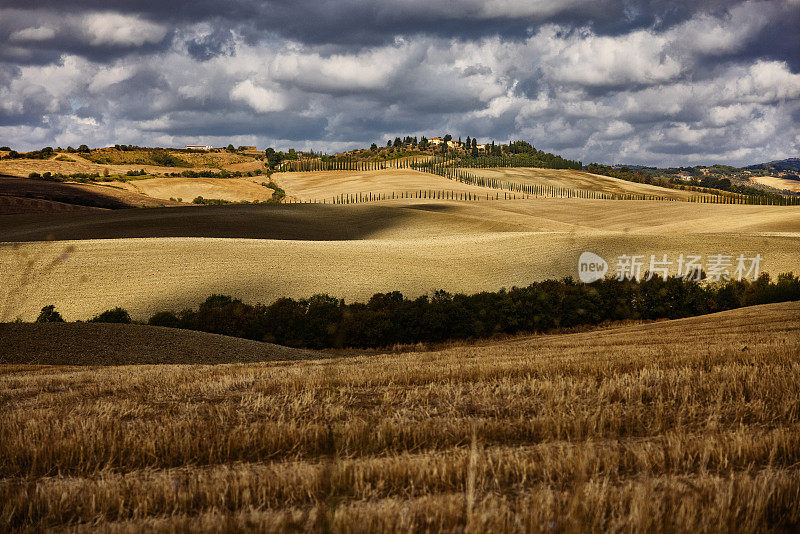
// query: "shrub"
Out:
[165,318]
[165,159]
[49,315]
[213,201]
[116,315]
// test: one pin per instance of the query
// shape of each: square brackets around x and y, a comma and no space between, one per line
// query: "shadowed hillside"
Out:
[124,344]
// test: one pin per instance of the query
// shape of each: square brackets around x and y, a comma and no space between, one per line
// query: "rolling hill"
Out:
[230,189]
[573,179]
[152,260]
[25,195]
[126,344]
[305,186]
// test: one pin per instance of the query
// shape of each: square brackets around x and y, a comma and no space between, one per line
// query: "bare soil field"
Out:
[778,183]
[572,179]
[328,184]
[232,189]
[676,426]
[53,194]
[125,344]
[11,205]
[154,260]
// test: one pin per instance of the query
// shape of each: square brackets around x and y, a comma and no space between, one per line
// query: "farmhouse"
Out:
[435,140]
[199,147]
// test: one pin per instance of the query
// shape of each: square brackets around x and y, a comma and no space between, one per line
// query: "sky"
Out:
[612,81]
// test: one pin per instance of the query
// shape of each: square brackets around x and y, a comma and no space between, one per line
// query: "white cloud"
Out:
[258,98]
[639,57]
[616,129]
[725,115]
[39,33]
[374,69]
[764,81]
[712,35]
[108,76]
[120,30]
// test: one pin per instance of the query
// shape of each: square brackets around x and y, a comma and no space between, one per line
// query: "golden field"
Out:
[230,189]
[200,160]
[572,179]
[316,186]
[23,167]
[778,183]
[687,425]
[25,195]
[152,260]
[113,161]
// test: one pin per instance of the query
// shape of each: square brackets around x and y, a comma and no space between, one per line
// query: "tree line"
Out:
[724,191]
[389,319]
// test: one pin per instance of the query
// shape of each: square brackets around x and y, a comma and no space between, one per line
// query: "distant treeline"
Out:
[388,319]
[705,183]
[45,153]
[86,177]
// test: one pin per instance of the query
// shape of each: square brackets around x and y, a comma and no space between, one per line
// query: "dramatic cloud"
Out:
[636,81]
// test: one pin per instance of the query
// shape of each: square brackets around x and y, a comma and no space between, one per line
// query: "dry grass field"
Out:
[778,183]
[152,260]
[25,195]
[232,189]
[572,179]
[688,425]
[210,160]
[23,167]
[118,162]
[321,185]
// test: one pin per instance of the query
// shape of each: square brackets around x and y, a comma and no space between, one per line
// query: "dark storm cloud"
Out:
[219,42]
[282,125]
[363,22]
[611,80]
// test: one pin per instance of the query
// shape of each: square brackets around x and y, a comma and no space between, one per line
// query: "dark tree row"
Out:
[390,318]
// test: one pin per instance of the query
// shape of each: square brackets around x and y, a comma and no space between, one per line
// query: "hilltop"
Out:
[789,164]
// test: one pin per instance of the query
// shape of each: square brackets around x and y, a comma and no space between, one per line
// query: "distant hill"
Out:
[790,164]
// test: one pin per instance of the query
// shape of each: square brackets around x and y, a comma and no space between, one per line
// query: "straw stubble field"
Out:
[673,426]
